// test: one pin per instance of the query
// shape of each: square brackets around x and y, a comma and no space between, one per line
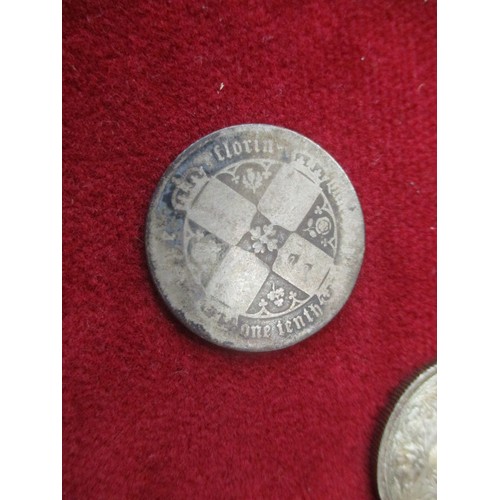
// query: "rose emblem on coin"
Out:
[323,225]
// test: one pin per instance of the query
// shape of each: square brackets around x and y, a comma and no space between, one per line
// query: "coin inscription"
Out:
[255,237]
[407,458]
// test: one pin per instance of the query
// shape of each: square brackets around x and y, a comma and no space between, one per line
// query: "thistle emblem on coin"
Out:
[255,237]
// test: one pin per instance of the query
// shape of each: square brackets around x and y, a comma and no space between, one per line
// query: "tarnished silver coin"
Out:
[255,237]
[407,457]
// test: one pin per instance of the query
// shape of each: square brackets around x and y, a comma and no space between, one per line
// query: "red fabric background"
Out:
[151,411]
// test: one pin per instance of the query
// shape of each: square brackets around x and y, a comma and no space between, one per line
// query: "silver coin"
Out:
[255,237]
[407,457]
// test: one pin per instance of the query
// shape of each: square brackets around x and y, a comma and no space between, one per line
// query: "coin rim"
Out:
[199,329]
[392,421]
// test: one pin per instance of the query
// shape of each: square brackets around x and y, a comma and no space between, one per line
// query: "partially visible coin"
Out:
[255,237]
[407,457]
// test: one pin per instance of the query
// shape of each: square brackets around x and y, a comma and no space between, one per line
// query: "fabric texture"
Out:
[149,409]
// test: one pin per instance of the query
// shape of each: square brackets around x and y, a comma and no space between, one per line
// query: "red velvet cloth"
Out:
[150,411]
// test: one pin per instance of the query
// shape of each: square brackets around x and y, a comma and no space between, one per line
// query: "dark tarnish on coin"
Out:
[255,237]
[407,456]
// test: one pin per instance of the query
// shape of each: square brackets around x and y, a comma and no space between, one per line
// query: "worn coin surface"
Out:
[407,457]
[255,237]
